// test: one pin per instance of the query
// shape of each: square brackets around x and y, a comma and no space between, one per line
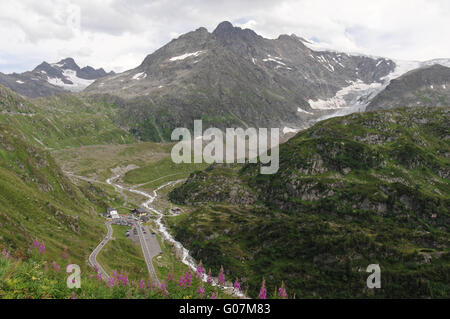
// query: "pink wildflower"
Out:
[209,279]
[42,248]
[221,276]
[56,266]
[182,282]
[124,280]
[188,278]
[263,291]
[200,269]
[142,284]
[201,291]
[237,286]
[110,282]
[282,291]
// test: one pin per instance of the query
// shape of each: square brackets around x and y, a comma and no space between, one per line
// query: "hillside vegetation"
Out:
[61,121]
[38,201]
[369,188]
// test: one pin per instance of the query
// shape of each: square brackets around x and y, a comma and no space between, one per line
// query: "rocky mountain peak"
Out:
[224,28]
[69,63]
[226,32]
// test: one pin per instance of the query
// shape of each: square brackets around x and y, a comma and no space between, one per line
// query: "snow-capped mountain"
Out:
[428,86]
[228,77]
[233,76]
[48,79]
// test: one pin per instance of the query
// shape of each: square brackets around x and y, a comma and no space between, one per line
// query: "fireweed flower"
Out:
[42,248]
[214,296]
[182,282]
[110,282]
[35,243]
[99,276]
[237,286]
[263,291]
[200,269]
[170,277]
[221,276]
[124,280]
[282,291]
[188,278]
[201,291]
[56,266]
[96,268]
[64,255]
[209,279]
[142,284]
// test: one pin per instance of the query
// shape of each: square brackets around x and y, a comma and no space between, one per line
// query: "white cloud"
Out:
[118,34]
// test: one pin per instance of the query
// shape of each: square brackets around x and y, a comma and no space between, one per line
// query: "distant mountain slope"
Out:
[426,86]
[236,77]
[49,79]
[368,188]
[61,121]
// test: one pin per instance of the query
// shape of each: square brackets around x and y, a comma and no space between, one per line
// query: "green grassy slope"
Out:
[37,201]
[160,172]
[363,189]
[61,121]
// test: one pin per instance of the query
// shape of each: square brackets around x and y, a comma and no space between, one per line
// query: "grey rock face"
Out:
[426,86]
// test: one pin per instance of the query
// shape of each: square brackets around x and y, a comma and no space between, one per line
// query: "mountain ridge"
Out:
[428,85]
[234,76]
[48,79]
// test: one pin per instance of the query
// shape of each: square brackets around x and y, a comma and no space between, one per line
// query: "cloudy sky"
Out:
[118,34]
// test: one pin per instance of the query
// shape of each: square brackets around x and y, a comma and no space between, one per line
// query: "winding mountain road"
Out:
[93,256]
[150,250]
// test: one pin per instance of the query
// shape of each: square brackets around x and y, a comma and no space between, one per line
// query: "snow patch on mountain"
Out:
[186,55]
[274,59]
[139,76]
[78,84]
[342,97]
